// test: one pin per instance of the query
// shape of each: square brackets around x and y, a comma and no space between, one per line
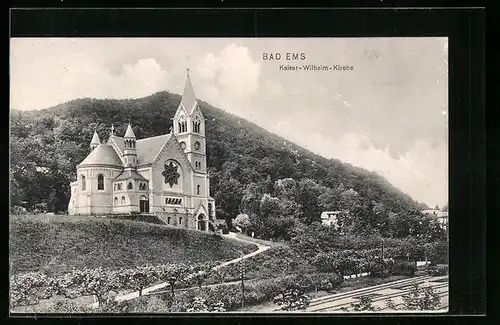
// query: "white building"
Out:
[165,175]
[330,218]
[441,216]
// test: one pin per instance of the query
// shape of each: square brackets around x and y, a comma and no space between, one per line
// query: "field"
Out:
[57,244]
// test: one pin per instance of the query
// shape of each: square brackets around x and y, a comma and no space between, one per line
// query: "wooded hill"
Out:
[245,161]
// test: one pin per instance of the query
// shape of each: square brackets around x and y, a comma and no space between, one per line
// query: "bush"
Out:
[403,268]
[225,229]
[379,268]
[436,270]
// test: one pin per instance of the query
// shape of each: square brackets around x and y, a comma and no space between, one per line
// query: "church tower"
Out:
[189,128]
[130,152]
[95,141]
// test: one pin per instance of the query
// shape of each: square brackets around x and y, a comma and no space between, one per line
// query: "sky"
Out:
[389,114]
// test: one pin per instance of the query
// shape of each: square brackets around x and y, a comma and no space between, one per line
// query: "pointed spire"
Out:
[95,139]
[129,133]
[188,97]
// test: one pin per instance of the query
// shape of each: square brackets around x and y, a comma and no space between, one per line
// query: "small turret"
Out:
[95,141]
[130,152]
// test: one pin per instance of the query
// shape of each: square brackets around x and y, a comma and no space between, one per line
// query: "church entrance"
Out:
[144,204]
[202,223]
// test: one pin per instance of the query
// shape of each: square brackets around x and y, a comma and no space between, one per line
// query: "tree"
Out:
[286,188]
[292,298]
[242,221]
[328,201]
[199,304]
[364,304]
[418,298]
[227,193]
[309,191]
[173,273]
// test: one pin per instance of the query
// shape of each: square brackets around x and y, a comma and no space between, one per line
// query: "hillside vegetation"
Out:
[59,244]
[252,171]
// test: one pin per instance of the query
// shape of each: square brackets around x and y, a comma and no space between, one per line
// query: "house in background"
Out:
[330,218]
[441,216]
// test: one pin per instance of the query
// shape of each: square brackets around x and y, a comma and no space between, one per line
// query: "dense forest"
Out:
[252,171]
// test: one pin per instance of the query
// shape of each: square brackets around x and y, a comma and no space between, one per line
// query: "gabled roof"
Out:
[200,209]
[149,148]
[130,174]
[188,97]
[119,141]
[103,154]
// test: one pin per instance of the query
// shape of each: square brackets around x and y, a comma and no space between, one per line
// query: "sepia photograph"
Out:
[228,175]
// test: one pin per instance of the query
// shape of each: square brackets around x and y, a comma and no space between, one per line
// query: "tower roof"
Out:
[103,154]
[129,133]
[188,97]
[95,138]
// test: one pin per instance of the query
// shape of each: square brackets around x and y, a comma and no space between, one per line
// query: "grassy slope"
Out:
[57,244]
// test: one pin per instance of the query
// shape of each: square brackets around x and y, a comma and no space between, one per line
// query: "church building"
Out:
[165,175]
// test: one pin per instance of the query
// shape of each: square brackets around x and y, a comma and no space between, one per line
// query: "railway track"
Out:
[393,290]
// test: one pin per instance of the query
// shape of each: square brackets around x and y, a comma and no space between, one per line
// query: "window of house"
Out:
[123,200]
[180,220]
[84,183]
[210,209]
[198,189]
[119,186]
[116,201]
[100,182]
[130,186]
[168,220]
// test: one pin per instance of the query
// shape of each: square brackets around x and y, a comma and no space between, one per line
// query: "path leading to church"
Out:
[145,291]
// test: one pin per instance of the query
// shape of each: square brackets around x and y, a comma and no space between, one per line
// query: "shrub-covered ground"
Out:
[60,243]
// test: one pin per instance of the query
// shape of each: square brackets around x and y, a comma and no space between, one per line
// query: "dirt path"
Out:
[261,248]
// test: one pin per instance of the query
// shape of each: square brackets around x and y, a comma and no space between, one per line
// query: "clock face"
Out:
[183,145]
[197,145]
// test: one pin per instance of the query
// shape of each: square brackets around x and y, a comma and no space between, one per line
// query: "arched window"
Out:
[123,200]
[180,220]
[100,182]
[198,189]
[84,183]
[116,201]
[130,186]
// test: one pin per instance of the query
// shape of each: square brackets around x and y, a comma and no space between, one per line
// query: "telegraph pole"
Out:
[242,283]
[382,249]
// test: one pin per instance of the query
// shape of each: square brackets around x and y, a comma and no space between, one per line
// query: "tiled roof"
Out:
[103,154]
[130,174]
[148,148]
